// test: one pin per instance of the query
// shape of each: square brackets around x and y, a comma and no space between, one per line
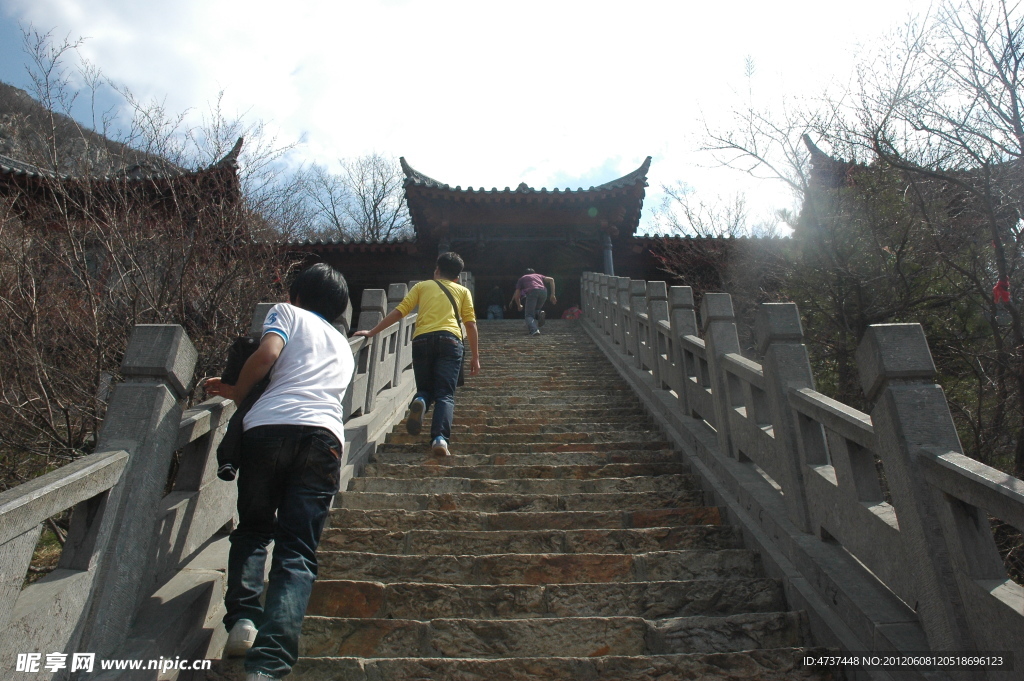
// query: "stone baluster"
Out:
[371,313]
[396,292]
[720,339]
[684,323]
[143,418]
[637,307]
[780,341]
[604,305]
[259,315]
[657,311]
[910,412]
[620,310]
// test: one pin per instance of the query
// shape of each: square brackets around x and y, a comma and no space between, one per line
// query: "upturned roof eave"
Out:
[421,183]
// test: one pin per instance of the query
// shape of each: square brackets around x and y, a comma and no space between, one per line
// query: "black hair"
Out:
[530,270]
[320,289]
[450,265]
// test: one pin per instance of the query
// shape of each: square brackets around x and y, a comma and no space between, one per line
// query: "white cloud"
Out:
[476,93]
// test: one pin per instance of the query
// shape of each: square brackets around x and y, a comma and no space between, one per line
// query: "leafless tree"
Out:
[81,262]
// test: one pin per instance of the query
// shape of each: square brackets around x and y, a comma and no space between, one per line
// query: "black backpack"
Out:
[229,451]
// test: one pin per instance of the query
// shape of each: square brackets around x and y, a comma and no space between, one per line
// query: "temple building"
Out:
[500,233]
[150,187]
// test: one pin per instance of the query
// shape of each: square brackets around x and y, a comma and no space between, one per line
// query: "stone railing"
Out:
[877,523]
[141,575]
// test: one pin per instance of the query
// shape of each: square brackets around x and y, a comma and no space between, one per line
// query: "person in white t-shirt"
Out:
[290,469]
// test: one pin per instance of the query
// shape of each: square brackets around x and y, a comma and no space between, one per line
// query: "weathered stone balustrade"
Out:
[897,562]
[141,575]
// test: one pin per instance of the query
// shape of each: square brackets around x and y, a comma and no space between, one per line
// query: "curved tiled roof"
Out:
[145,170]
[346,241]
[414,178]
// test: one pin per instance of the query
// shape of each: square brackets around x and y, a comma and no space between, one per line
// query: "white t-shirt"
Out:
[309,379]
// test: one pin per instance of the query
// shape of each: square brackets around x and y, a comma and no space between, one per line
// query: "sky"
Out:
[488,94]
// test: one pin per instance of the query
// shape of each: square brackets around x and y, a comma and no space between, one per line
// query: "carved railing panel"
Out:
[892,487]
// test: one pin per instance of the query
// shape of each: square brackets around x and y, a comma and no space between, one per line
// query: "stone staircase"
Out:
[563,539]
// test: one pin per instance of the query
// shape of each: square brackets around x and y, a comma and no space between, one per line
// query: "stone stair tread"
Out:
[539,568]
[552,437]
[587,458]
[452,484]
[649,600]
[434,542]
[498,502]
[782,664]
[531,447]
[517,471]
[395,519]
[574,636]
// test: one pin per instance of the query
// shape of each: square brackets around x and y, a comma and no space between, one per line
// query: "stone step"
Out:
[488,423]
[524,399]
[500,503]
[783,664]
[475,438]
[572,636]
[507,568]
[433,468]
[492,418]
[650,600]
[523,486]
[613,446]
[479,543]
[396,520]
[412,454]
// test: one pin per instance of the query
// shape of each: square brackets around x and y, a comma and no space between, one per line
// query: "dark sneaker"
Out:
[415,422]
[541,318]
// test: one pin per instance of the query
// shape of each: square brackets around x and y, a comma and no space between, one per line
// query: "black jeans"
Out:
[288,476]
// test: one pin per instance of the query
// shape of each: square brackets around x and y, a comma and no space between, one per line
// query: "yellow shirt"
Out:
[436,312]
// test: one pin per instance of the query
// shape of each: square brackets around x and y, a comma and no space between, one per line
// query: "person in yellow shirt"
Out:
[437,346]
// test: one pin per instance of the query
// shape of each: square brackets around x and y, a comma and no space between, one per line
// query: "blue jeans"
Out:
[535,299]
[495,312]
[436,362]
[290,472]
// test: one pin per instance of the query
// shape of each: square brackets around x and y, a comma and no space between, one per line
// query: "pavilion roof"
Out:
[155,169]
[619,203]
[153,181]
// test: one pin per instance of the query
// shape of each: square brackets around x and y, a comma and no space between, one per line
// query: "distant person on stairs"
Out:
[495,303]
[290,469]
[533,288]
[437,346]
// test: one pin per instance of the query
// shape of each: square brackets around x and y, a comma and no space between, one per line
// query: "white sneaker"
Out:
[260,676]
[240,638]
[439,446]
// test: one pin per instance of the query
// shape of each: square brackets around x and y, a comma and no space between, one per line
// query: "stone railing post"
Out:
[720,338]
[786,365]
[910,412]
[684,323]
[637,307]
[657,312]
[371,313]
[620,311]
[586,290]
[396,292]
[604,305]
[259,315]
[143,418]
